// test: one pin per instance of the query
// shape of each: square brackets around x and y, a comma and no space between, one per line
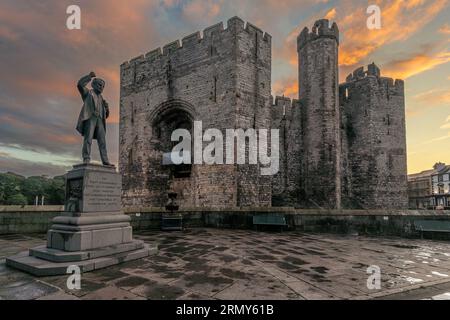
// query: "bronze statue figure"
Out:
[93,115]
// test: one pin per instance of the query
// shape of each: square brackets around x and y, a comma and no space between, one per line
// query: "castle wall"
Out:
[279,181]
[340,145]
[253,109]
[318,90]
[286,116]
[209,78]
[374,127]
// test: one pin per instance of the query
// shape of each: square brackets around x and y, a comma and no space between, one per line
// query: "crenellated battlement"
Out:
[283,106]
[374,71]
[234,25]
[360,73]
[321,29]
[280,101]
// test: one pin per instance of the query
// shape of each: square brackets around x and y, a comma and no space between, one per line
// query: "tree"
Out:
[10,184]
[55,191]
[17,199]
[33,187]
[13,187]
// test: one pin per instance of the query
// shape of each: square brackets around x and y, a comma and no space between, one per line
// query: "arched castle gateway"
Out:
[340,145]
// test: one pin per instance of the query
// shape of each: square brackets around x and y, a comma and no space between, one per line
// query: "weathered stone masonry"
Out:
[375,139]
[222,79]
[340,145]
[318,92]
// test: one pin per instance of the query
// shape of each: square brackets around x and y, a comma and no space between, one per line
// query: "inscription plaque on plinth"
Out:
[93,189]
[102,192]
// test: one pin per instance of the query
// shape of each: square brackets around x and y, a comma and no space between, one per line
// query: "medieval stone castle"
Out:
[341,145]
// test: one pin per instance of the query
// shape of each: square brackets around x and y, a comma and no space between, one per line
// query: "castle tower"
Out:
[375,138]
[222,78]
[319,96]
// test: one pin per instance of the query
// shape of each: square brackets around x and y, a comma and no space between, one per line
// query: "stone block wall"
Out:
[286,116]
[374,128]
[222,79]
[340,145]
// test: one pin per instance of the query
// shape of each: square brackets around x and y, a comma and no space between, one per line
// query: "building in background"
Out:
[430,189]
[441,186]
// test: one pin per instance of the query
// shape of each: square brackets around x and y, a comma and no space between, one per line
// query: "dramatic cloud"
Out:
[286,87]
[30,168]
[41,60]
[405,68]
[445,29]
[400,20]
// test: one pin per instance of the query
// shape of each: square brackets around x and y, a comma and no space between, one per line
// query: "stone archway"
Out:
[169,116]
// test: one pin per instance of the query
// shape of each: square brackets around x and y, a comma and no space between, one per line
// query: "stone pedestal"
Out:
[93,232]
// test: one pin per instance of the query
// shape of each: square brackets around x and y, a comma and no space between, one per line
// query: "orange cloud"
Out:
[331,14]
[400,20]
[445,29]
[51,86]
[287,87]
[402,69]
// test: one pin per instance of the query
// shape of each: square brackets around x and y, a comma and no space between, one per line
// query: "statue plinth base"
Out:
[93,232]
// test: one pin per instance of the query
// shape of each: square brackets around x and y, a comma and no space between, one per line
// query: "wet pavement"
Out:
[236,264]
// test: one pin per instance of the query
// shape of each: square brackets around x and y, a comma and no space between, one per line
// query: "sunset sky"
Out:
[41,61]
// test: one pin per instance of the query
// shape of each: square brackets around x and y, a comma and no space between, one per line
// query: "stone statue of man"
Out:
[93,115]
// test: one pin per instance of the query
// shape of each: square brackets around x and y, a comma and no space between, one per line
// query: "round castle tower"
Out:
[319,94]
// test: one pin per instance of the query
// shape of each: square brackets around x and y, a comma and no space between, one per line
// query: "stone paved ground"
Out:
[230,264]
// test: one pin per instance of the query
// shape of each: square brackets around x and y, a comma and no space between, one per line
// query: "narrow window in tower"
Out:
[134,73]
[215,89]
[212,48]
[130,157]
[256,45]
[132,112]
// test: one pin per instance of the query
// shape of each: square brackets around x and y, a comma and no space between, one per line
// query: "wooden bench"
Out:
[432,226]
[172,222]
[269,219]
